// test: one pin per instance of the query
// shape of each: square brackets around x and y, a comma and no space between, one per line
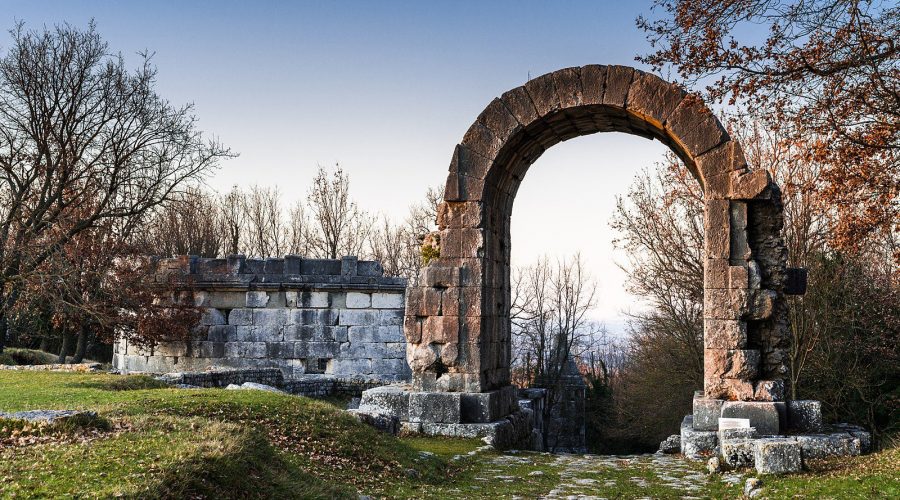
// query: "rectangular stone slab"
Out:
[763,416]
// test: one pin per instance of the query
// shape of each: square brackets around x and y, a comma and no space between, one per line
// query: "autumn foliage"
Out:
[827,72]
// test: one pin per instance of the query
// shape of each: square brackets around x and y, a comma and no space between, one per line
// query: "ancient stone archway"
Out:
[457,320]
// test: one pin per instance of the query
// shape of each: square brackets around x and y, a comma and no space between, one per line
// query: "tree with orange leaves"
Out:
[827,71]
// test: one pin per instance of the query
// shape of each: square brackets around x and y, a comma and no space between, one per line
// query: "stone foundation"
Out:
[494,416]
[773,437]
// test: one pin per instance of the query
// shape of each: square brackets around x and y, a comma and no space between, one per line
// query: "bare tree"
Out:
[231,215]
[189,224]
[82,139]
[552,330]
[297,230]
[341,228]
[265,232]
[389,244]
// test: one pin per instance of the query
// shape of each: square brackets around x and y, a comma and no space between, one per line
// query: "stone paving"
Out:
[611,476]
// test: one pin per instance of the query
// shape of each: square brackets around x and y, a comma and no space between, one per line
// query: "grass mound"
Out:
[231,462]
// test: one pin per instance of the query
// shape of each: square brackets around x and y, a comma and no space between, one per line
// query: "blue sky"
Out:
[387,89]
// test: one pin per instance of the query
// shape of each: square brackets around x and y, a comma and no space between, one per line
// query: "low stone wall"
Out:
[224,378]
[303,316]
[312,386]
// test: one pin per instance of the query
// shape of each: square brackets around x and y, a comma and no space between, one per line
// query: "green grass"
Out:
[151,441]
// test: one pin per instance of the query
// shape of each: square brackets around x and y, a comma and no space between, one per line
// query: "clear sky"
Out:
[387,89]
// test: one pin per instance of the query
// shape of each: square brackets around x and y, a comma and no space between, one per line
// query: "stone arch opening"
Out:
[457,320]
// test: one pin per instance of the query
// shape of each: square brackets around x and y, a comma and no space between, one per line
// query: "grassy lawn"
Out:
[156,442]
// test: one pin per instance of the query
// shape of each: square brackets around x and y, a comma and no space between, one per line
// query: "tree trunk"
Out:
[64,347]
[81,346]
[3,323]
[45,344]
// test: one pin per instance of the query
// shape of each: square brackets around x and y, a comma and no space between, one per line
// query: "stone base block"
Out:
[777,456]
[736,446]
[805,415]
[380,421]
[764,416]
[697,444]
[514,431]
[706,413]
[840,444]
[388,399]
[435,407]
[482,407]
[864,436]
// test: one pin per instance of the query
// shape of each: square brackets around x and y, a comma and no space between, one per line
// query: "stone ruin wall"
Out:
[339,318]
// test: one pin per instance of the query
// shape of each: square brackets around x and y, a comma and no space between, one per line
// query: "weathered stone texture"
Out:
[339,317]
[777,456]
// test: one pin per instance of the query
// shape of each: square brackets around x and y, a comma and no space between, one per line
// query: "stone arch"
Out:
[457,319]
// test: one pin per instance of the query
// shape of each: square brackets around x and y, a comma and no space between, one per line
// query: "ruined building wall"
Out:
[333,317]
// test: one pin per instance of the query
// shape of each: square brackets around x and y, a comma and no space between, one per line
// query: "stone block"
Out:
[280,350]
[222,333]
[435,407]
[387,300]
[839,444]
[653,98]
[357,300]
[480,407]
[271,333]
[313,299]
[293,333]
[593,81]
[351,366]
[618,81]
[240,317]
[390,317]
[805,415]
[389,334]
[212,349]
[736,446]
[380,421]
[543,94]
[212,317]
[270,317]
[763,416]
[519,103]
[697,444]
[724,334]
[769,390]
[717,228]
[324,317]
[384,366]
[724,304]
[257,299]
[731,363]
[777,456]
[750,185]
[715,273]
[706,413]
[362,334]
[245,333]
[695,128]
[255,350]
